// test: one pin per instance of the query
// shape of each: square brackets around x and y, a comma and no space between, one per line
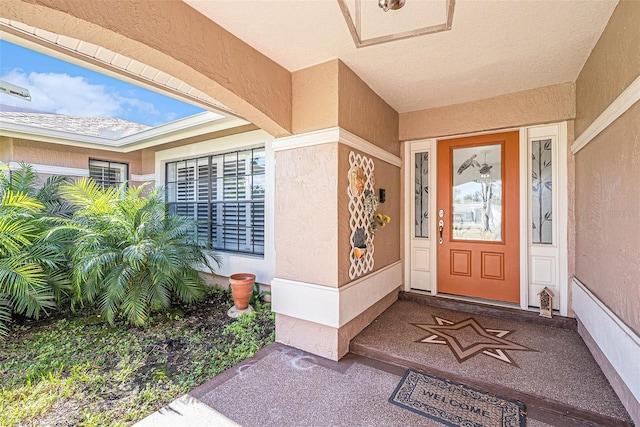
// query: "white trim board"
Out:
[331,135]
[618,107]
[53,170]
[329,306]
[524,179]
[619,344]
[478,133]
[150,177]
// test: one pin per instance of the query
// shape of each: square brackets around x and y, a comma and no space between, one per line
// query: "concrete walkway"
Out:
[283,386]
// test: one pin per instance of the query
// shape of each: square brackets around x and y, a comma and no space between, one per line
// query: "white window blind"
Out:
[108,174]
[225,194]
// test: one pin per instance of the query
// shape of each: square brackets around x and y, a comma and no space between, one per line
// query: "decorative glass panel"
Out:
[477,193]
[422,195]
[541,191]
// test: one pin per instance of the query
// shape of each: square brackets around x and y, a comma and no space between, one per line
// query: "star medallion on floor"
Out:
[468,338]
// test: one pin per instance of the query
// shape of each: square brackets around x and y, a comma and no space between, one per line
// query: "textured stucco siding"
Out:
[364,113]
[613,64]
[44,153]
[608,170]
[608,217]
[306,214]
[542,105]
[315,97]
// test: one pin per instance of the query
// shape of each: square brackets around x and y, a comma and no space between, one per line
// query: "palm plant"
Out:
[31,264]
[129,256]
[24,179]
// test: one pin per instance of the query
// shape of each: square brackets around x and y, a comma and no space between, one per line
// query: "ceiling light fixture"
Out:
[387,5]
[368,27]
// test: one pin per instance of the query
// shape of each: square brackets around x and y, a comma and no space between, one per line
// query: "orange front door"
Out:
[478,217]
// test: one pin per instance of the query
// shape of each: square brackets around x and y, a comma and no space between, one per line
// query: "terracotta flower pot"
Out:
[241,289]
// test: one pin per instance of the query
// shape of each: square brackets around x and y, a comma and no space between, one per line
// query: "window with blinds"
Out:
[225,194]
[108,174]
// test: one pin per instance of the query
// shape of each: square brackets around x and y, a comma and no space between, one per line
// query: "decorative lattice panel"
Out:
[358,217]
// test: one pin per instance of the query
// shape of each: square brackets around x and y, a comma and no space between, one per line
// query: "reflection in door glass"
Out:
[477,193]
[422,195]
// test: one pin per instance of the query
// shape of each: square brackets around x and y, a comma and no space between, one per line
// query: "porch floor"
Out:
[542,362]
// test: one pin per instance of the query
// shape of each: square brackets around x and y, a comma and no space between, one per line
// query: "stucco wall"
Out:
[364,113]
[175,38]
[326,341]
[315,97]
[536,106]
[608,217]
[331,94]
[67,156]
[608,171]
[387,239]
[306,214]
[613,64]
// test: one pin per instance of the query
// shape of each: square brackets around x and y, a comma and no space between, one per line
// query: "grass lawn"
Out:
[80,371]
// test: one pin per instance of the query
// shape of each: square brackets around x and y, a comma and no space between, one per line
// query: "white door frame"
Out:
[411,148]
[533,257]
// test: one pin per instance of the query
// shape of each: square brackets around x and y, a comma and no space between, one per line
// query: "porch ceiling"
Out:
[493,48]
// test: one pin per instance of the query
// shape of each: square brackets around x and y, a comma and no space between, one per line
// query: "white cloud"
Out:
[170,116]
[139,105]
[63,94]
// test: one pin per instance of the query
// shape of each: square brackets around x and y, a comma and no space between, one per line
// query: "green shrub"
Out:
[128,255]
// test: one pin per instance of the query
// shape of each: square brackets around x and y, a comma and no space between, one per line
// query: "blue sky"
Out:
[59,87]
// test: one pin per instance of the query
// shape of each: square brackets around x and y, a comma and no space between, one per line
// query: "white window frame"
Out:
[546,265]
[262,266]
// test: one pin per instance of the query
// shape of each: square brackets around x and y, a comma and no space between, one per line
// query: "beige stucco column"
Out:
[319,306]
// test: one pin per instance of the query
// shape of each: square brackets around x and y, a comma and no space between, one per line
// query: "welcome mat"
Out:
[455,404]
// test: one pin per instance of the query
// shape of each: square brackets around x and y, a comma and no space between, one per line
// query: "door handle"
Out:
[440,228]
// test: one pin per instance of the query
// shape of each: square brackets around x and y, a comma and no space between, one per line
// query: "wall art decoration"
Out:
[361,181]
[356,180]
